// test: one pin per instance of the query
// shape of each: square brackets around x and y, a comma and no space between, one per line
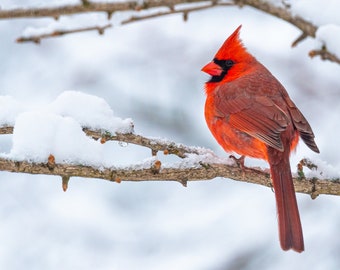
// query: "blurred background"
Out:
[150,71]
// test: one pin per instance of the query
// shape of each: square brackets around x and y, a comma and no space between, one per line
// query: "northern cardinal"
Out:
[249,112]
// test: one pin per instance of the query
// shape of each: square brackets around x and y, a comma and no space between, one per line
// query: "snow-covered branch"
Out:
[197,164]
[62,139]
[282,11]
[154,144]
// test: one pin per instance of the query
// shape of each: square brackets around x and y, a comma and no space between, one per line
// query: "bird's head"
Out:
[230,61]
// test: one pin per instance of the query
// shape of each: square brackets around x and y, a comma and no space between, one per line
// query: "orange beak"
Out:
[212,69]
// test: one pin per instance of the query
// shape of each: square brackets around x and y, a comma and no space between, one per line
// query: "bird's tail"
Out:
[290,229]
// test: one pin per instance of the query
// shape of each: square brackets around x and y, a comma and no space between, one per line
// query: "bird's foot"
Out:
[239,161]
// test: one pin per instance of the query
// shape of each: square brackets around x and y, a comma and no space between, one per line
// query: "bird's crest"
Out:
[233,48]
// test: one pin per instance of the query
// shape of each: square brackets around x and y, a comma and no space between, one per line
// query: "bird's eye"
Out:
[229,63]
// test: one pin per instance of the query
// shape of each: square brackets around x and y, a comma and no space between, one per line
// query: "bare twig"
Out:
[159,14]
[300,38]
[184,11]
[325,55]
[57,33]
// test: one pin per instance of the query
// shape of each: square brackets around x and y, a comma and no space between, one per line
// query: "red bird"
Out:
[249,112]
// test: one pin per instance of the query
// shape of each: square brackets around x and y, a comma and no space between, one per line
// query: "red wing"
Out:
[302,125]
[259,117]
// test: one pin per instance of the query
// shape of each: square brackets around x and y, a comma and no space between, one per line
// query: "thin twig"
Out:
[184,11]
[300,38]
[325,55]
[155,144]
[57,33]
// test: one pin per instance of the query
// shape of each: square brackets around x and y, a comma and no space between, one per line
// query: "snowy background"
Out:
[150,72]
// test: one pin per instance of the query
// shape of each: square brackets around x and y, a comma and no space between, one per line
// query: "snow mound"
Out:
[57,128]
[90,111]
[37,135]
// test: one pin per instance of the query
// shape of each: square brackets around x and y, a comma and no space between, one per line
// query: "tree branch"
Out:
[325,55]
[154,144]
[307,28]
[184,11]
[55,12]
[6,130]
[57,33]
[201,169]
[108,7]
[283,13]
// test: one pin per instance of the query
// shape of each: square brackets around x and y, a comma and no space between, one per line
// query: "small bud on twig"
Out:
[156,167]
[65,179]
[51,162]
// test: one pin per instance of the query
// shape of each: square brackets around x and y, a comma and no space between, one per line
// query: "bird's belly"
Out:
[236,141]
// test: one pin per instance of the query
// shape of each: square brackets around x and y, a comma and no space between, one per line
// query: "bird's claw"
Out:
[239,161]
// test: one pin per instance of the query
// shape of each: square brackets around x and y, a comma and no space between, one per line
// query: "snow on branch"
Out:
[62,139]
[197,164]
[155,144]
[291,14]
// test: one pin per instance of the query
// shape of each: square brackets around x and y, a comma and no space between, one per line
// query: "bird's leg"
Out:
[239,161]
